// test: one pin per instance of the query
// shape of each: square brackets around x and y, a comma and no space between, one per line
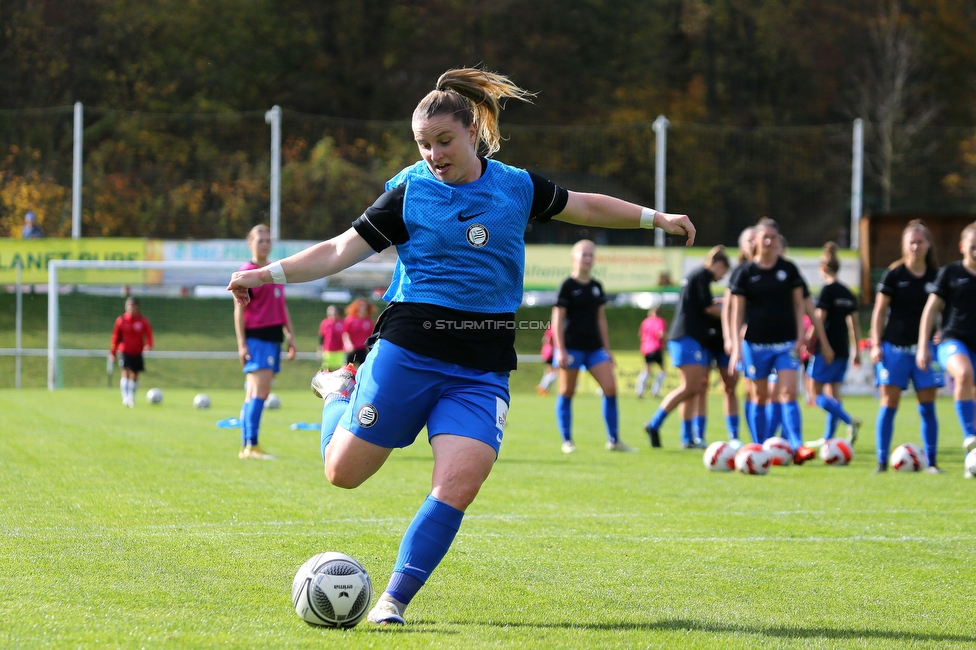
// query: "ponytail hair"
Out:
[747,244]
[472,96]
[717,254]
[828,258]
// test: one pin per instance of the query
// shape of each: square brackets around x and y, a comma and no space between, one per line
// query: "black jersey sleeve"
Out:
[381,225]
[565,293]
[940,285]
[888,284]
[736,284]
[548,199]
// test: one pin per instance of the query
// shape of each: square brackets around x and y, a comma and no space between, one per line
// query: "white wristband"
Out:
[277,273]
[647,218]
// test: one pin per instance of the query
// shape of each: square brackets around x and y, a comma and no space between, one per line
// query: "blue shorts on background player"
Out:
[696,315]
[895,326]
[953,294]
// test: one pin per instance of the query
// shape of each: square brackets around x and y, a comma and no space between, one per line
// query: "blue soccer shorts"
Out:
[828,373]
[586,359]
[760,359]
[399,392]
[897,367]
[952,347]
[265,355]
[686,351]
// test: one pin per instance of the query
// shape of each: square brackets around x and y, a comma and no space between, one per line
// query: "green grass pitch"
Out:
[141,528]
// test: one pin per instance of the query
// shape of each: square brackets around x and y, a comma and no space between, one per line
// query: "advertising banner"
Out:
[618,268]
[35,254]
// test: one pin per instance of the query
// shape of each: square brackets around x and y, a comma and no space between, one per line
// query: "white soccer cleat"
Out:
[385,613]
[568,447]
[969,443]
[819,442]
[340,382]
[852,430]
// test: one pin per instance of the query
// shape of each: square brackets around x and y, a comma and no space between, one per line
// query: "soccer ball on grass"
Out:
[273,401]
[970,465]
[154,396]
[331,590]
[779,450]
[908,458]
[719,457]
[836,451]
[201,401]
[751,459]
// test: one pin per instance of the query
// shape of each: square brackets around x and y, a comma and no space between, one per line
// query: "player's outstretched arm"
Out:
[609,212]
[318,261]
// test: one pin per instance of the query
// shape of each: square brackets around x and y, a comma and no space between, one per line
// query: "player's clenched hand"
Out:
[676,224]
[240,282]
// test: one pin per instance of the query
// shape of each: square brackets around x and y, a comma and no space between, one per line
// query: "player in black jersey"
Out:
[581,339]
[696,316]
[901,297]
[953,293]
[767,296]
[837,309]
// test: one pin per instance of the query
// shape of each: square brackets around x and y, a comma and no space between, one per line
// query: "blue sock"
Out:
[422,548]
[331,414]
[756,415]
[700,424]
[610,417]
[833,407]
[774,419]
[884,430]
[245,426]
[254,419]
[564,416]
[830,426]
[930,430]
[732,426]
[687,432]
[793,423]
[966,409]
[658,419]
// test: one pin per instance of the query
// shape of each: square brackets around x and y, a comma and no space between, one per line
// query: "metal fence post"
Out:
[273,117]
[76,172]
[660,160]
[857,183]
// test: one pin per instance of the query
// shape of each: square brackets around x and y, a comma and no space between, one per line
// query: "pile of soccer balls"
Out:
[756,459]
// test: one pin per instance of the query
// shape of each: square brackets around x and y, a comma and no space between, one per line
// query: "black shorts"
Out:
[655,357]
[131,362]
[357,356]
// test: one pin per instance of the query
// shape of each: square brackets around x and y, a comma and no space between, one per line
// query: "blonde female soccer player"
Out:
[445,344]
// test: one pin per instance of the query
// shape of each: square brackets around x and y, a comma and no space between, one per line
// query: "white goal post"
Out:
[221,270]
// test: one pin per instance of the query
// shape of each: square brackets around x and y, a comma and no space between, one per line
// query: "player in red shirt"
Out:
[330,336]
[357,327]
[131,335]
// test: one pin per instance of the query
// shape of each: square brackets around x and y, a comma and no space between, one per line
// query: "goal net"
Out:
[191,314]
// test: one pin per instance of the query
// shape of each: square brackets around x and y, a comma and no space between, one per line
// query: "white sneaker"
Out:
[341,382]
[620,445]
[969,443]
[385,613]
[568,447]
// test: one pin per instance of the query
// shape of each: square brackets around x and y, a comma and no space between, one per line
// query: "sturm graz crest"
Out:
[477,235]
[367,416]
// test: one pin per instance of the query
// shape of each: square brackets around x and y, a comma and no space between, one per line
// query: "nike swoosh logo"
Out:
[463,218]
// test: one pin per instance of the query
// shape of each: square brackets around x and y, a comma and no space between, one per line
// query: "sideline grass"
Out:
[141,528]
